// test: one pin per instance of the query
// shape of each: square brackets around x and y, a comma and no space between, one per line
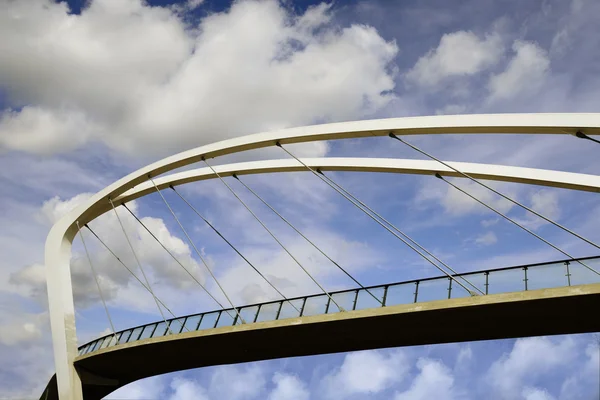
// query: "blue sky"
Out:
[90,91]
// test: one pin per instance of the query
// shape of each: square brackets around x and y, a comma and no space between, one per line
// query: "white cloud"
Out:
[435,381]
[452,109]
[546,203]
[464,357]
[366,373]
[524,74]
[536,394]
[25,346]
[55,208]
[22,329]
[287,275]
[457,203]
[288,387]
[486,223]
[185,389]
[150,388]
[583,382]
[232,382]
[43,131]
[486,239]
[117,284]
[573,28]
[136,78]
[529,359]
[194,3]
[459,53]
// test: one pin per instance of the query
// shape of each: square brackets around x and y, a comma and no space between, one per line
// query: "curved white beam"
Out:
[58,243]
[441,124]
[531,176]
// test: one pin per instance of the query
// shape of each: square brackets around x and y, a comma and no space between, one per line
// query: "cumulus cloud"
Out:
[529,359]
[230,382]
[545,202]
[22,329]
[137,78]
[486,223]
[398,374]
[435,381]
[524,74]
[43,131]
[486,239]
[55,208]
[116,282]
[459,53]
[457,203]
[150,388]
[584,382]
[452,109]
[366,373]
[186,389]
[238,382]
[287,275]
[288,387]
[536,394]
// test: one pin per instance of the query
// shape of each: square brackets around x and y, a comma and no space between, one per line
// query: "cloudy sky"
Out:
[92,90]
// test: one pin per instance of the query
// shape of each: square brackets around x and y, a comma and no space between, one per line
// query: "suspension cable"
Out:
[497,192]
[130,271]
[272,234]
[137,260]
[173,256]
[516,223]
[305,238]
[233,247]
[197,251]
[400,232]
[87,253]
[374,218]
[582,135]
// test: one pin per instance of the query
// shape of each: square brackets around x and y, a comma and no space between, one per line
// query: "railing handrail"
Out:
[383,286]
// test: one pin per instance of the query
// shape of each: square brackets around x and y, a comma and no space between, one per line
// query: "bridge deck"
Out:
[532,300]
[503,280]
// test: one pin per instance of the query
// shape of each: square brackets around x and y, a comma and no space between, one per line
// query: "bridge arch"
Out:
[58,244]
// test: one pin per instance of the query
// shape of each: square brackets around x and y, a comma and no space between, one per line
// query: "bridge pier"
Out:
[62,311]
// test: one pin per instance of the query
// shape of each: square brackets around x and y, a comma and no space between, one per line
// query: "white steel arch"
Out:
[58,243]
[531,176]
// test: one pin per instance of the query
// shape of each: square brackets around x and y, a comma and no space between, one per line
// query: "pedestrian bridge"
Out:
[497,281]
[530,300]
[539,299]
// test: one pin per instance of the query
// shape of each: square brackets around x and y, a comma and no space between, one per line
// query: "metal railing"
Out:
[502,280]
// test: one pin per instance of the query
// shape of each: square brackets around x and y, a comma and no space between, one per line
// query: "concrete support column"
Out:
[62,310]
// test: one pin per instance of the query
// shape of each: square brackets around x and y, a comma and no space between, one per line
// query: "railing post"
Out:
[155,326]
[487,281]
[567,263]
[182,325]
[199,321]
[327,305]
[525,280]
[355,300]
[237,315]
[257,311]
[126,339]
[218,317]
[449,287]
[302,308]
[416,290]
[385,290]
[279,309]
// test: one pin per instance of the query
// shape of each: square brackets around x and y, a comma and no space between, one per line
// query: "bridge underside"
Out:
[533,313]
